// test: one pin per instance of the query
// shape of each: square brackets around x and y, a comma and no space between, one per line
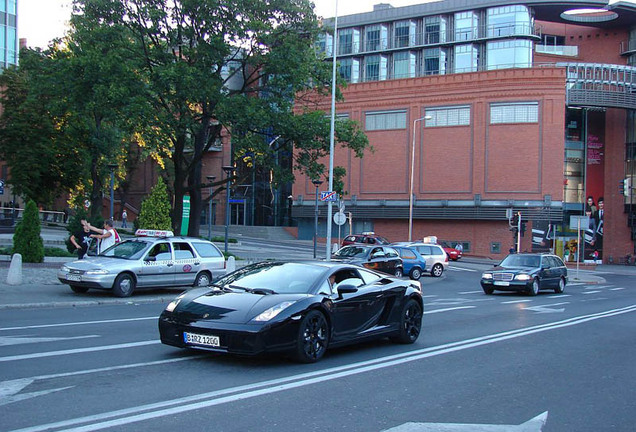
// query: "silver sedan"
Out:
[146,262]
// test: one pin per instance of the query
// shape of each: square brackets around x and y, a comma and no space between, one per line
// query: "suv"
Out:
[436,258]
[366,238]
[153,259]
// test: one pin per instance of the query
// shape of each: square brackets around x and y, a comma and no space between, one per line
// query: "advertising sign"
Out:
[185,218]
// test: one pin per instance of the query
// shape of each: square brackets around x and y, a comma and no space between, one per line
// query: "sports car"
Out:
[300,308]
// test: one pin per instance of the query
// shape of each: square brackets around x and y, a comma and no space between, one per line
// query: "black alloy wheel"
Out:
[78,289]
[313,337]
[124,285]
[410,323]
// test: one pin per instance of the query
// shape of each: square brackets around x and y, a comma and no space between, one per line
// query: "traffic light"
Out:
[621,186]
[627,186]
[523,228]
[514,223]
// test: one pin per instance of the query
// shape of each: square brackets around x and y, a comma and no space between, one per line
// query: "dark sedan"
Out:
[301,308]
[526,273]
[380,258]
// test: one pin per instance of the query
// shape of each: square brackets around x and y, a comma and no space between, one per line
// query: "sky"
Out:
[40,21]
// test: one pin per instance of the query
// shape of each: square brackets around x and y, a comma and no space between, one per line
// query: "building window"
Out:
[495,248]
[385,120]
[350,70]
[448,116]
[434,61]
[376,37]
[404,65]
[434,30]
[526,112]
[466,58]
[509,54]
[375,68]
[348,41]
[404,34]
[508,20]
[325,44]
[466,26]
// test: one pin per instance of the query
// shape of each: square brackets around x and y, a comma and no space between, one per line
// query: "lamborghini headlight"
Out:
[272,312]
[174,303]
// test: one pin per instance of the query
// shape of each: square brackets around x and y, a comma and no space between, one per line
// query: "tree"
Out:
[209,66]
[26,240]
[155,209]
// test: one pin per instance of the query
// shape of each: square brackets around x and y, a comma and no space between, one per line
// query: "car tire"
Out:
[534,288]
[203,279]
[313,337]
[410,323]
[416,273]
[488,291]
[78,289]
[560,287]
[437,270]
[399,272]
[124,285]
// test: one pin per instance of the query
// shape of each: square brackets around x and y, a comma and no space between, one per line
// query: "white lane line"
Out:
[80,323]
[516,301]
[617,289]
[77,351]
[463,269]
[559,296]
[448,309]
[178,406]
[472,292]
[429,296]
[575,283]
[591,292]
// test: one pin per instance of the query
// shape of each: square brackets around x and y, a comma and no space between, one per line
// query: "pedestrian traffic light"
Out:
[626,186]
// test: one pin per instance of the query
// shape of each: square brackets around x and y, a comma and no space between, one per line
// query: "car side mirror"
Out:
[347,289]
[150,258]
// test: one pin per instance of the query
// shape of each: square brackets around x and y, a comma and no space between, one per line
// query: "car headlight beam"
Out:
[97,272]
[486,276]
[272,312]
[523,277]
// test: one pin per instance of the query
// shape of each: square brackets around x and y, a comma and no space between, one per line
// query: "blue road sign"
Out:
[328,196]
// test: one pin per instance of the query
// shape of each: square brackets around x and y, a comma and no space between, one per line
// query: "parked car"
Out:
[526,272]
[368,237]
[301,308]
[453,254]
[153,259]
[380,258]
[414,263]
[436,258]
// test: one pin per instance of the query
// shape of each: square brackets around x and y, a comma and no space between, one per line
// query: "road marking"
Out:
[204,400]
[591,292]
[19,340]
[547,308]
[617,289]
[559,296]
[472,292]
[78,323]
[77,351]
[575,283]
[429,296]
[448,309]
[534,424]
[463,269]
[9,391]
[516,301]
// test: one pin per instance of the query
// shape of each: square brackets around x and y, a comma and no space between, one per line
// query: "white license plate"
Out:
[499,283]
[74,277]
[199,339]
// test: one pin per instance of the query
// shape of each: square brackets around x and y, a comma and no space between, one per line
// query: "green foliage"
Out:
[48,251]
[155,209]
[26,240]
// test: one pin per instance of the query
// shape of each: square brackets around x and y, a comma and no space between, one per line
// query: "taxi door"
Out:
[158,266]
[186,264]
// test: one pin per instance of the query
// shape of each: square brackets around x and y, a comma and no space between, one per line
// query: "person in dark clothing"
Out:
[82,239]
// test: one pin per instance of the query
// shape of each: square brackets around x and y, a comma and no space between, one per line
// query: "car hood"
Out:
[93,263]
[516,269]
[231,307]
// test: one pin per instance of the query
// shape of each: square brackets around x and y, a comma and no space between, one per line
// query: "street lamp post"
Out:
[228,172]
[112,168]
[210,179]
[428,117]
[316,183]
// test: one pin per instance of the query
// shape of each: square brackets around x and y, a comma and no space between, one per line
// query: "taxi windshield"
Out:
[128,249]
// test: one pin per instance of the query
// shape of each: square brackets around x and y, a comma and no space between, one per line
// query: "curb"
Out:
[84,303]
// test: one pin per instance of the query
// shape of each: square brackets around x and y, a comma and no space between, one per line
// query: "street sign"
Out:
[579,222]
[328,196]
[339,218]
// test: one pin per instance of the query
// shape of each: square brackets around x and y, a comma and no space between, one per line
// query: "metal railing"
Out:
[600,85]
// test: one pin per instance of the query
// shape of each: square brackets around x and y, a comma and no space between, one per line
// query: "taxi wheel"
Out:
[124,285]
[437,270]
[203,279]
[79,289]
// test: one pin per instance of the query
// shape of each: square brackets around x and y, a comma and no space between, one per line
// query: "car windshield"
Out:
[273,277]
[352,252]
[128,249]
[521,261]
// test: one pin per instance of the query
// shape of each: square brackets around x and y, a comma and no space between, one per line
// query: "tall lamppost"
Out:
[316,183]
[112,168]
[229,169]
[428,117]
[210,179]
[332,133]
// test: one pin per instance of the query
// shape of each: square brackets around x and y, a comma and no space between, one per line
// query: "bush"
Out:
[155,209]
[26,240]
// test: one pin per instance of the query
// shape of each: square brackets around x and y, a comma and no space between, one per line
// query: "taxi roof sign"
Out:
[153,233]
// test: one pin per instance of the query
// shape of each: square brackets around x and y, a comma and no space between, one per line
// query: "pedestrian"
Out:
[124,219]
[106,236]
[82,239]
[512,249]
[459,247]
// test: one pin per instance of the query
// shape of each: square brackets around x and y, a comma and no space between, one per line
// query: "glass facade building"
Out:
[8,33]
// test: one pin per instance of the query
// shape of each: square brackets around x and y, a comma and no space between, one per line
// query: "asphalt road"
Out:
[483,363]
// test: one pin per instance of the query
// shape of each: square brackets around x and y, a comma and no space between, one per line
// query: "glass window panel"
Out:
[434,30]
[385,120]
[508,20]
[508,54]
[404,34]
[466,26]
[523,112]
[466,58]
[448,116]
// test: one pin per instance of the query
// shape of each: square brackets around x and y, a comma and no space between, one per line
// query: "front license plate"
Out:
[499,283]
[199,339]
[74,277]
